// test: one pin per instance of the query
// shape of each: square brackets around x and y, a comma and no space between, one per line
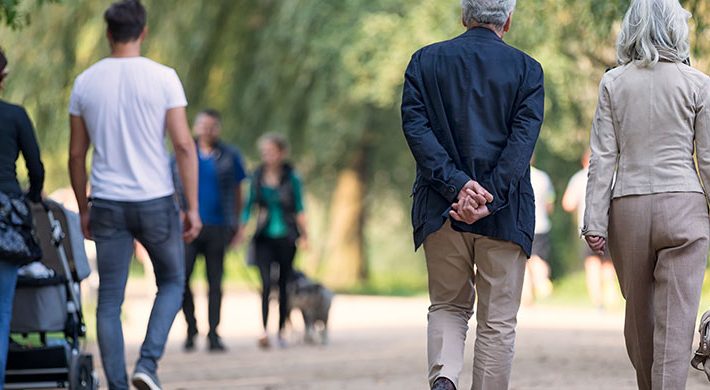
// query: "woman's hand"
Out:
[596,244]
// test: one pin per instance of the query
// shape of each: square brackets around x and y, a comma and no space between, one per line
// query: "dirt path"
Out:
[379,343]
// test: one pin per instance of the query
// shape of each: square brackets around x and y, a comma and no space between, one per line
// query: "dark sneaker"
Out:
[264,342]
[216,344]
[443,384]
[145,381]
[189,345]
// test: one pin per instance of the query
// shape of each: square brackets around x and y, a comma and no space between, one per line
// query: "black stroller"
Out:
[47,321]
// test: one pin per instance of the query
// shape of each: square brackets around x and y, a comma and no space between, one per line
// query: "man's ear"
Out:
[144,34]
[508,22]
[109,36]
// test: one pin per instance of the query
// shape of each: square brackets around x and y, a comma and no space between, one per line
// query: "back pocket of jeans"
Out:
[103,222]
[156,225]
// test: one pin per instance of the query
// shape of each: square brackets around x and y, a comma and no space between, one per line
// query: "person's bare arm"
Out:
[570,200]
[79,143]
[302,229]
[186,157]
[237,237]
[238,204]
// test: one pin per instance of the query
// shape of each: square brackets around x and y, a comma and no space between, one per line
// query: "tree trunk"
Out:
[344,257]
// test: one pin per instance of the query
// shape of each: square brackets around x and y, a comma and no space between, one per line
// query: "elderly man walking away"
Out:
[122,106]
[472,111]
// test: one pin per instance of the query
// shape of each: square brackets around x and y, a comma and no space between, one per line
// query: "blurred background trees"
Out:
[328,74]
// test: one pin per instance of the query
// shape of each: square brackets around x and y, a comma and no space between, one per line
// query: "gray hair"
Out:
[495,12]
[654,30]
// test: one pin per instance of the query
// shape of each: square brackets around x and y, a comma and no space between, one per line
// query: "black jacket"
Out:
[228,162]
[17,135]
[472,108]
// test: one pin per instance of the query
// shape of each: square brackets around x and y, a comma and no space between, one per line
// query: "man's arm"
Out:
[186,157]
[79,142]
[239,176]
[237,204]
[514,161]
[237,227]
[434,161]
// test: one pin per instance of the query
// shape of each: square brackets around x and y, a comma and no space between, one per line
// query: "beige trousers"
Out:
[498,281]
[659,246]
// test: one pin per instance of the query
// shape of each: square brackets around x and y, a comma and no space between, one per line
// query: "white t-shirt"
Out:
[544,195]
[123,102]
[577,190]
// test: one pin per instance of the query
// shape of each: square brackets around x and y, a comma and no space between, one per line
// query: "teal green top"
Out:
[277,225]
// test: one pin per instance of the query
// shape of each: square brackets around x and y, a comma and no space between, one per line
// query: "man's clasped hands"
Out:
[471,205]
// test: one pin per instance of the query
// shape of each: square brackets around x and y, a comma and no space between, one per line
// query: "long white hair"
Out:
[654,30]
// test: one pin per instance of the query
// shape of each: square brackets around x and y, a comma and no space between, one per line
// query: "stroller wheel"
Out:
[81,373]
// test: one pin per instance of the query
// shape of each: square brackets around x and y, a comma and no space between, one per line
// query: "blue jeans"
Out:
[156,225]
[8,279]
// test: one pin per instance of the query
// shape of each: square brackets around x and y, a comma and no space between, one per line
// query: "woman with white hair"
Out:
[653,116]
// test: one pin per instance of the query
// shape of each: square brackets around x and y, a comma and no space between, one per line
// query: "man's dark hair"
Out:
[126,20]
[212,113]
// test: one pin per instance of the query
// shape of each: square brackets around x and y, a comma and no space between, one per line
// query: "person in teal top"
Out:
[276,191]
[277,226]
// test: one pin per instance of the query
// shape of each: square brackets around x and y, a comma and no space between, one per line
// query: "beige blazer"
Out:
[648,124]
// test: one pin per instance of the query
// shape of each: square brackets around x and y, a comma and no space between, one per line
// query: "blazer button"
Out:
[452,190]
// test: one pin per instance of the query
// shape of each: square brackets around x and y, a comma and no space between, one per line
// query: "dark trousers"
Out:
[279,251]
[211,243]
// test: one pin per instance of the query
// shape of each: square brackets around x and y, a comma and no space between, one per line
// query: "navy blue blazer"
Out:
[472,109]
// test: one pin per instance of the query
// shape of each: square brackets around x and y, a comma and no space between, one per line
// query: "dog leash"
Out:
[243,272]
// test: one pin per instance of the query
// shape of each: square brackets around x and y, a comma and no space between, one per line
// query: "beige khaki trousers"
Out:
[498,282]
[659,246]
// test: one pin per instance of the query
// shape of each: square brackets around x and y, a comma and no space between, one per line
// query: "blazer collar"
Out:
[482,32]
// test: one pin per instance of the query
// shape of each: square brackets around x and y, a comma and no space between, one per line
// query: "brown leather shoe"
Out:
[443,384]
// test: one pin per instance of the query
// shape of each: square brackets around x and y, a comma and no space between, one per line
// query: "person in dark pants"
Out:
[281,222]
[220,197]
[16,135]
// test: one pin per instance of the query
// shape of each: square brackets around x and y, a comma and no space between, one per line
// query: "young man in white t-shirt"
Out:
[122,106]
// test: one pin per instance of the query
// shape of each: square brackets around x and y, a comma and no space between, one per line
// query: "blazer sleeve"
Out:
[514,161]
[702,134]
[433,161]
[602,166]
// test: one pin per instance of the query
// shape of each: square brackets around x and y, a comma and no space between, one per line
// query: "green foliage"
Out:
[328,74]
[14,15]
